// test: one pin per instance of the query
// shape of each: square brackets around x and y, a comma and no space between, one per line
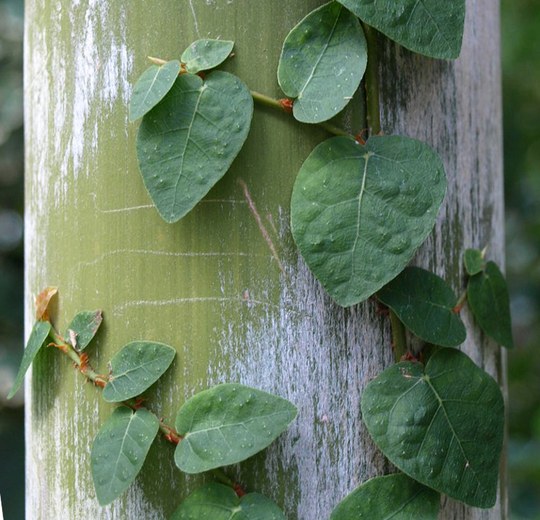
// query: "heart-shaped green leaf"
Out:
[424,303]
[227,424]
[489,302]
[442,425]
[394,496]
[119,450]
[135,368]
[188,142]
[83,328]
[37,339]
[206,54]
[474,261]
[430,27]
[152,87]
[219,502]
[359,213]
[322,62]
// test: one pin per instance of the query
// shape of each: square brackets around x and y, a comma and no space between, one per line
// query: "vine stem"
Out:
[170,434]
[81,362]
[283,105]
[399,336]
[372,81]
[461,302]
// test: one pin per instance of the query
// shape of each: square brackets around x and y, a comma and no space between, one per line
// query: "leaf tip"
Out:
[43,300]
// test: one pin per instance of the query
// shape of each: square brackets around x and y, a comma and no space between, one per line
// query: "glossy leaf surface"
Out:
[119,450]
[206,54]
[135,368]
[37,339]
[487,294]
[474,261]
[430,27]
[359,213]
[322,62]
[83,327]
[424,302]
[188,142]
[394,496]
[442,425]
[227,424]
[152,87]
[218,502]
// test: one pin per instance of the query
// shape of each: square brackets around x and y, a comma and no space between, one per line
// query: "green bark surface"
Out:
[224,286]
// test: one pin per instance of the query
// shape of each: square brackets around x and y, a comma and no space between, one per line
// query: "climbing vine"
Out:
[360,209]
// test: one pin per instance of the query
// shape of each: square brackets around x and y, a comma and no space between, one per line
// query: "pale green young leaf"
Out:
[206,54]
[227,424]
[474,261]
[322,62]
[189,141]
[135,368]
[442,425]
[153,85]
[83,328]
[37,339]
[393,496]
[359,213]
[487,294]
[430,27]
[119,451]
[218,502]
[424,302]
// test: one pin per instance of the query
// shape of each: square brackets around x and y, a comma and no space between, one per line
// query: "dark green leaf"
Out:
[474,261]
[188,142]
[322,62]
[119,450]
[227,424]
[218,502]
[424,303]
[135,368]
[152,87]
[359,213]
[206,54]
[442,425]
[430,27]
[83,328]
[488,299]
[394,496]
[37,339]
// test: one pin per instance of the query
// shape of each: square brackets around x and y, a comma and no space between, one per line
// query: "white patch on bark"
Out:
[320,357]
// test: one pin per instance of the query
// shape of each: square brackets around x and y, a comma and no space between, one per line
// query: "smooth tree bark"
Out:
[225,286]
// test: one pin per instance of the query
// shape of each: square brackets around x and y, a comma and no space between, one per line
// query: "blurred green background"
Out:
[521,78]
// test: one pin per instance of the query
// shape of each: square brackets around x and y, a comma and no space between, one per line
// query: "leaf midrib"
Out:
[188,137]
[120,452]
[149,89]
[323,52]
[358,217]
[454,434]
[138,367]
[229,425]
[393,514]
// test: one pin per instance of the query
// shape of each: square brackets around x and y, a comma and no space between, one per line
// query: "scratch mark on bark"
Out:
[151,206]
[119,309]
[260,224]
[195,21]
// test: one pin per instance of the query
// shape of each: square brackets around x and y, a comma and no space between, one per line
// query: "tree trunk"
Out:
[235,308]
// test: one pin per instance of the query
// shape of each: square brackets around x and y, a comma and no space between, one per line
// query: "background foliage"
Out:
[521,76]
